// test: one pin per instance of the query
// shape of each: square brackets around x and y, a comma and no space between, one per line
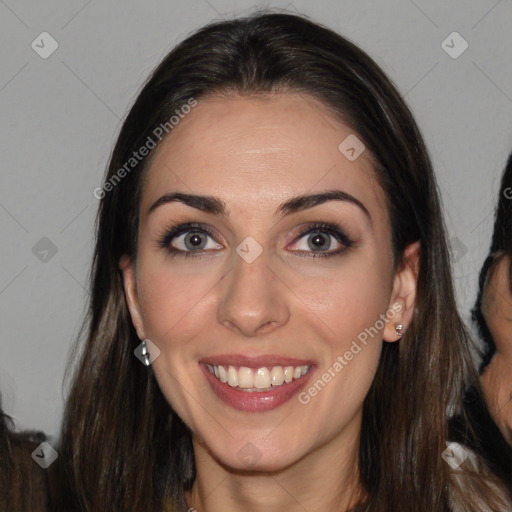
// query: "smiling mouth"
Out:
[261,380]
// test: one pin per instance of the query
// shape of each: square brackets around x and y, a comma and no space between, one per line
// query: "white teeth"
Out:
[245,378]
[223,374]
[260,379]
[277,376]
[232,377]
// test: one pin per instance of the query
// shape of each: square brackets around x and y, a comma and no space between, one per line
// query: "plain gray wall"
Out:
[60,117]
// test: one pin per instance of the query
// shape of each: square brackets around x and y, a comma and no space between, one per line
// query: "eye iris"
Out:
[193,241]
[319,239]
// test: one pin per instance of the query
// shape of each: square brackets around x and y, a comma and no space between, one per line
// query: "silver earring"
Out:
[145,353]
[399,330]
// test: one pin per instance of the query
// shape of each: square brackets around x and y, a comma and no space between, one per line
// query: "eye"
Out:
[193,240]
[188,239]
[320,239]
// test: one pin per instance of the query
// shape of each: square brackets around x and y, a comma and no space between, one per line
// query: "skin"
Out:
[255,153]
[496,379]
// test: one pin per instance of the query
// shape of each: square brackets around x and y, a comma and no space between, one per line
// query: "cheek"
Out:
[172,301]
[175,307]
[348,311]
[497,317]
[347,300]
[497,386]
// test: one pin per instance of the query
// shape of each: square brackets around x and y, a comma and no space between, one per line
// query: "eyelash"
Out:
[173,231]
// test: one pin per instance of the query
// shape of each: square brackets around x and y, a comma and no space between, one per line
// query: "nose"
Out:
[253,298]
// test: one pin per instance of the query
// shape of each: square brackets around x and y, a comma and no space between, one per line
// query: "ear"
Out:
[130,293]
[403,295]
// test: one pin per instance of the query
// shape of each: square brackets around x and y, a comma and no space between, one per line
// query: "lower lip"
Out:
[256,401]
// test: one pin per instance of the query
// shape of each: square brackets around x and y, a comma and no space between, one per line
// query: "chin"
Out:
[247,456]
[266,463]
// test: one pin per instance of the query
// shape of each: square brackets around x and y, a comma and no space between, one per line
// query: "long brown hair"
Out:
[123,447]
[24,486]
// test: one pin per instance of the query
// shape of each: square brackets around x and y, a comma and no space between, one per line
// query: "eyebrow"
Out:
[216,206]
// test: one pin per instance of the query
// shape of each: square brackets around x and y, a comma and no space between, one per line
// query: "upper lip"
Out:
[254,361]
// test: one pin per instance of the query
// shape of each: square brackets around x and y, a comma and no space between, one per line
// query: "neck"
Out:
[325,479]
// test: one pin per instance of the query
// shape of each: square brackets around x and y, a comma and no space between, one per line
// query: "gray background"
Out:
[60,117]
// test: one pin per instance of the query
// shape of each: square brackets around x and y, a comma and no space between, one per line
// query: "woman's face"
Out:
[263,290]
[497,305]
[496,379]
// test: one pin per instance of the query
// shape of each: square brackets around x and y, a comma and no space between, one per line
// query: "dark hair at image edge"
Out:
[501,245]
[23,484]
[123,448]
[490,438]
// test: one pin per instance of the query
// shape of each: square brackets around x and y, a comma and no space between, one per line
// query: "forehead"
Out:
[255,151]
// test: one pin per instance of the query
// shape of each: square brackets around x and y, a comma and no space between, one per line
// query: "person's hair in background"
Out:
[122,445]
[501,246]
[492,439]
[24,486]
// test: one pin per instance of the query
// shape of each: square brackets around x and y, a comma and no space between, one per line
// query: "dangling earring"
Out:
[145,353]
[399,330]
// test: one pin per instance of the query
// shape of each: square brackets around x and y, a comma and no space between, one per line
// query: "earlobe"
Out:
[403,296]
[130,293]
